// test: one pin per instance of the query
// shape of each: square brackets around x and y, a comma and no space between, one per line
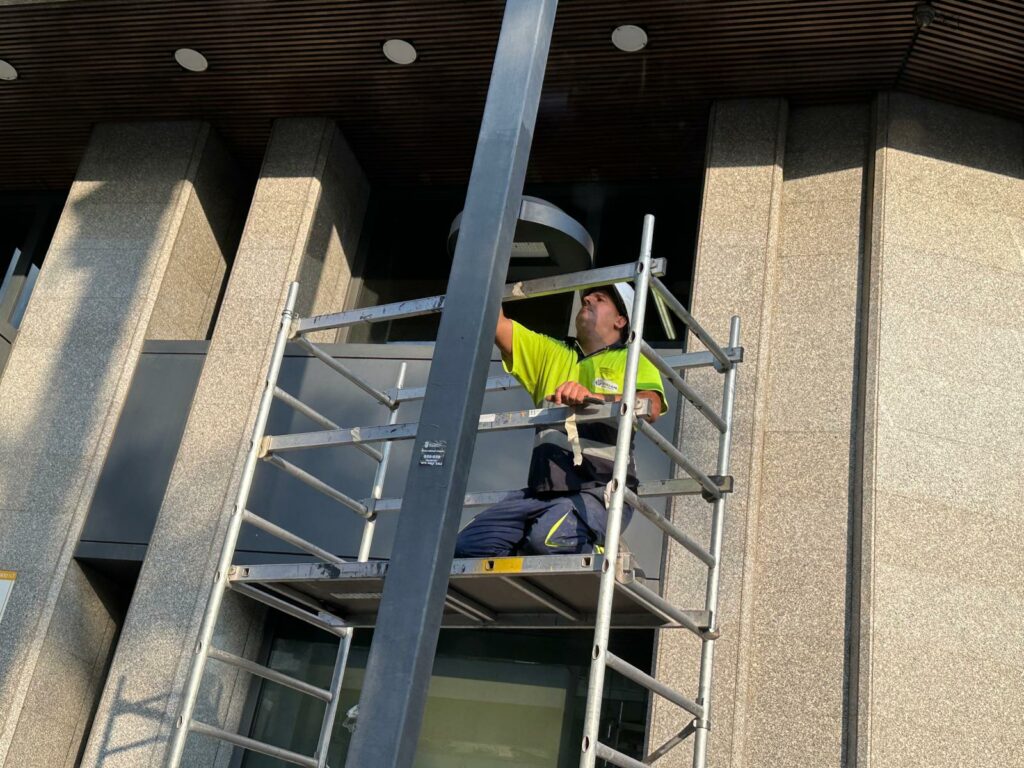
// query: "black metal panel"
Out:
[133,480]
[146,440]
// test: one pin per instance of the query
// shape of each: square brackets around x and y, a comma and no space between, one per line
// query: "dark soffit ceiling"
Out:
[604,114]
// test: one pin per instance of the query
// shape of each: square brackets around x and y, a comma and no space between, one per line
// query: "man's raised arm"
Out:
[503,337]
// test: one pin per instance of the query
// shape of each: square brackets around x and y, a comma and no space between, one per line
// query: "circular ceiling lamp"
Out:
[399,51]
[629,38]
[7,72]
[547,239]
[191,59]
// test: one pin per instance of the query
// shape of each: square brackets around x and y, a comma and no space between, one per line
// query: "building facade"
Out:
[848,178]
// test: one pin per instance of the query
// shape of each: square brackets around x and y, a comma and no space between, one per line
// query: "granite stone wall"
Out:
[871,587]
[942,600]
[304,223]
[734,274]
[60,398]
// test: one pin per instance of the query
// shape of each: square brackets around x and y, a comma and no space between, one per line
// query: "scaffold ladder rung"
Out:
[317,484]
[318,418]
[671,743]
[550,602]
[290,538]
[661,607]
[682,387]
[678,458]
[617,758]
[687,541]
[253,745]
[320,620]
[724,363]
[337,367]
[270,674]
[644,680]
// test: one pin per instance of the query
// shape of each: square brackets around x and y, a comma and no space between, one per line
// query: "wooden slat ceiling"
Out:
[604,114]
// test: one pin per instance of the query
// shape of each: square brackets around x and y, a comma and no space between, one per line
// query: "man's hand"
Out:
[572,393]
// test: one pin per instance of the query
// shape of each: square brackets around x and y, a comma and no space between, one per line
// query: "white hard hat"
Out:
[625,291]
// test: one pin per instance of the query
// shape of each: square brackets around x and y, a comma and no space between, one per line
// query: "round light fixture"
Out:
[191,59]
[7,72]
[399,51]
[629,38]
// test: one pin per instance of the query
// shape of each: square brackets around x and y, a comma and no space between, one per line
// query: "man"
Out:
[562,510]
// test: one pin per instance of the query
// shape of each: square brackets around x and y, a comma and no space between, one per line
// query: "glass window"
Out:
[496,699]
[27,223]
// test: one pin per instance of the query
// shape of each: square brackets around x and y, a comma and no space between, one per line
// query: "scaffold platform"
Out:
[534,592]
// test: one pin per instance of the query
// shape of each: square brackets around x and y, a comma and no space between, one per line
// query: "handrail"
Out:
[683,388]
[681,312]
[524,289]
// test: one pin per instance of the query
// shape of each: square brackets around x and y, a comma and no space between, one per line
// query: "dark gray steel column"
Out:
[402,654]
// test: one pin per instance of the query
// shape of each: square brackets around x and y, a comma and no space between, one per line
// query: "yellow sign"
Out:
[504,565]
[6,585]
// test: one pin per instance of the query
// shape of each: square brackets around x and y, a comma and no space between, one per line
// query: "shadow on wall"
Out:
[61,394]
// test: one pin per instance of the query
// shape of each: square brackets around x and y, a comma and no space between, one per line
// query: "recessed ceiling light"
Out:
[7,72]
[191,59]
[399,51]
[629,38]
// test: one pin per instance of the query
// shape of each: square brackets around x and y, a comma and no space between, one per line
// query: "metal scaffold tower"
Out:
[558,591]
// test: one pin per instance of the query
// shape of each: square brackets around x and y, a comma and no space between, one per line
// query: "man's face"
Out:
[598,315]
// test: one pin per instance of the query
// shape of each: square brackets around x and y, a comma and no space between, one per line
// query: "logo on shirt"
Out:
[606,385]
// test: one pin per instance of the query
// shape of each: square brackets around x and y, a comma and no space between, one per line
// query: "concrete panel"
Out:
[280,243]
[733,274]
[69,373]
[780,673]
[208,238]
[941,601]
[797,640]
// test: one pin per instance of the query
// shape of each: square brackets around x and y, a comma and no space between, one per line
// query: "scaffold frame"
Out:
[337,595]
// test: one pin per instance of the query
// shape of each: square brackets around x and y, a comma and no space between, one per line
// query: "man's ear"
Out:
[621,323]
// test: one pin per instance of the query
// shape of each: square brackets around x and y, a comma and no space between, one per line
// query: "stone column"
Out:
[304,224]
[138,200]
[780,245]
[734,274]
[795,649]
[942,601]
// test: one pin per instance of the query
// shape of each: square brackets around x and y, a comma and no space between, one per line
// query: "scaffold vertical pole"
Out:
[707,651]
[382,469]
[345,643]
[220,581]
[623,442]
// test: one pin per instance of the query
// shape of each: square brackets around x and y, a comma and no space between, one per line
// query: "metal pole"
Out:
[345,645]
[227,552]
[595,689]
[378,479]
[402,654]
[331,711]
[707,649]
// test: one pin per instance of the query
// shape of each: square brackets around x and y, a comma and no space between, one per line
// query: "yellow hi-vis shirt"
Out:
[541,364]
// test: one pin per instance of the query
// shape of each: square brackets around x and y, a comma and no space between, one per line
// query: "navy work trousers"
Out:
[525,524]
